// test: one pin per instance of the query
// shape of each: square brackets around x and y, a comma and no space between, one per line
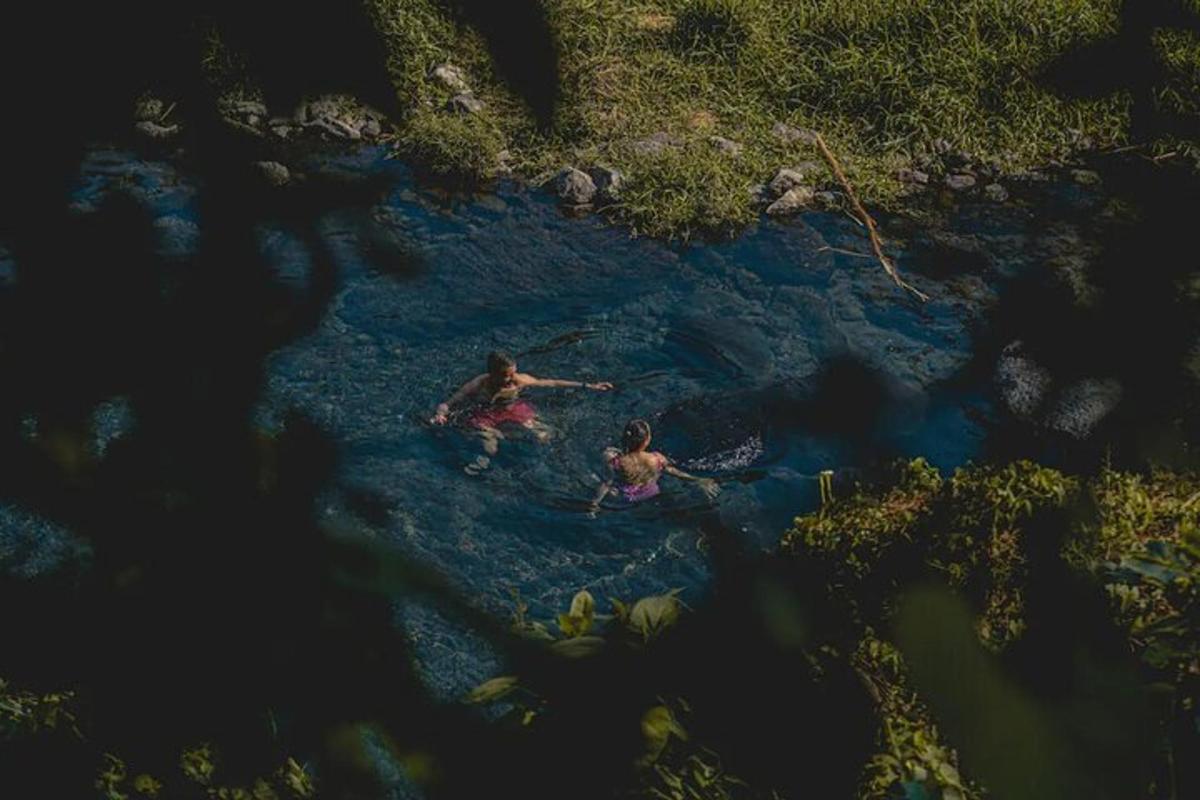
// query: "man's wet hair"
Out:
[498,362]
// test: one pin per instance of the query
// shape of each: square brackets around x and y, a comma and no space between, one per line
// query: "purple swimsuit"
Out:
[636,492]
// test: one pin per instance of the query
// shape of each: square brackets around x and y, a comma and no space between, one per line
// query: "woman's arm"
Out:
[556,383]
[605,485]
[708,485]
[466,390]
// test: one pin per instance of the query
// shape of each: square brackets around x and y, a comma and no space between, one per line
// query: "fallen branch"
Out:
[865,218]
[829,249]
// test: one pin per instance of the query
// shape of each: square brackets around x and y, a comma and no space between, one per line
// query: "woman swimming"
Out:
[634,472]
[496,398]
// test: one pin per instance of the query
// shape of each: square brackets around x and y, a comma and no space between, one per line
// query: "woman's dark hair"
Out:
[636,432]
[498,362]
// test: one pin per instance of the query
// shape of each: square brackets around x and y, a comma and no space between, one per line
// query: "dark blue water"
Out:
[722,347]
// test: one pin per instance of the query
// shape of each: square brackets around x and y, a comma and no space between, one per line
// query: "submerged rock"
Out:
[1023,383]
[575,187]
[1082,406]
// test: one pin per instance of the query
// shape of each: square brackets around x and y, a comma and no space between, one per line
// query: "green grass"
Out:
[881,79]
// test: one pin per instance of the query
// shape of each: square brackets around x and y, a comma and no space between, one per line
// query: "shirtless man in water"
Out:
[495,400]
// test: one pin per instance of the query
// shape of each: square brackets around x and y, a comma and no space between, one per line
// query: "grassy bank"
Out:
[882,80]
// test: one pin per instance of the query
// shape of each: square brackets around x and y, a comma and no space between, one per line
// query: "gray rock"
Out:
[728,146]
[334,128]
[574,187]
[654,144]
[995,192]
[785,180]
[451,77]
[957,159]
[464,103]
[1085,177]
[1082,406]
[283,131]
[153,130]
[608,181]
[912,176]
[244,109]
[790,133]
[960,182]
[320,108]
[1023,383]
[826,200]
[759,195]
[148,109]
[371,128]
[793,200]
[275,173]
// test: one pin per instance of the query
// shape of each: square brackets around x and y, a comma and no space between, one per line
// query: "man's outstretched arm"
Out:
[556,383]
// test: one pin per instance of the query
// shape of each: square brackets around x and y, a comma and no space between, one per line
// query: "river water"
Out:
[759,362]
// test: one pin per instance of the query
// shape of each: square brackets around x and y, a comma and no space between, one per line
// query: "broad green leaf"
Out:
[658,725]
[492,690]
[652,615]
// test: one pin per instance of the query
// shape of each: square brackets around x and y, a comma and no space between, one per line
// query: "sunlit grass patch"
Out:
[881,79]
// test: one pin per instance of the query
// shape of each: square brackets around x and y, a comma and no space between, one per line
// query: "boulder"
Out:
[995,192]
[793,200]
[574,187]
